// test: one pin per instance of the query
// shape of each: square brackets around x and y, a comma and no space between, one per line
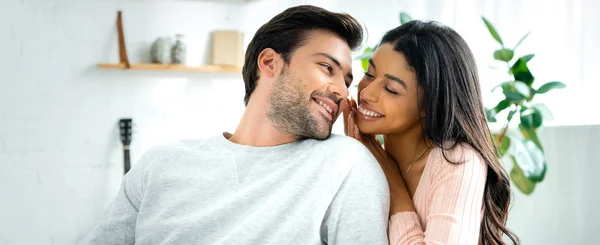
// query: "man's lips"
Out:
[328,104]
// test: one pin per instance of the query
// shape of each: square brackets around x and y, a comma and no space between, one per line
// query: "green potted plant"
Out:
[524,149]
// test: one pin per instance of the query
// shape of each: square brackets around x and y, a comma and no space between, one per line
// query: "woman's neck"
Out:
[406,148]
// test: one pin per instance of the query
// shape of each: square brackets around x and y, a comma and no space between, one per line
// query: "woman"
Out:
[421,92]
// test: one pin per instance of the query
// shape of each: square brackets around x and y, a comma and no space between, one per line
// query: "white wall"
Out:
[563,208]
[60,158]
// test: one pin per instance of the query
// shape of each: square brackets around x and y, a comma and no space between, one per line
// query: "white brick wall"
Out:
[60,156]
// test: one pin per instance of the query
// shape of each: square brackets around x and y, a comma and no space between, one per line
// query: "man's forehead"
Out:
[343,59]
[326,42]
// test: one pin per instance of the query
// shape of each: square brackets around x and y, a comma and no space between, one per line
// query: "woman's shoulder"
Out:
[456,157]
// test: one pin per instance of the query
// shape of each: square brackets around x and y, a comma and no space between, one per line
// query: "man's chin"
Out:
[327,131]
[335,118]
[315,135]
[324,136]
[323,132]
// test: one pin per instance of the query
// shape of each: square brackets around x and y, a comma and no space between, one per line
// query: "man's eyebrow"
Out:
[337,63]
[388,76]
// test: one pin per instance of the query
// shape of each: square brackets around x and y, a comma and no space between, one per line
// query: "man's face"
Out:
[306,97]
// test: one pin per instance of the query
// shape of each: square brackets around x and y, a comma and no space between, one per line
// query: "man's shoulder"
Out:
[344,154]
[337,140]
[341,146]
[183,145]
[177,148]
[355,173]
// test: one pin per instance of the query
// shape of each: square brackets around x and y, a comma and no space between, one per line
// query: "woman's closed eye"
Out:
[369,75]
[389,89]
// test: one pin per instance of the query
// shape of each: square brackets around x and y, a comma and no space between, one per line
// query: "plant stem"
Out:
[510,114]
[505,129]
[501,135]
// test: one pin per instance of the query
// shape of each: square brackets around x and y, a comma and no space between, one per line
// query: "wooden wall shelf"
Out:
[161,67]
[126,65]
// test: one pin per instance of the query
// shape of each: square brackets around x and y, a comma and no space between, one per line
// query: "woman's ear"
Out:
[422,104]
[268,63]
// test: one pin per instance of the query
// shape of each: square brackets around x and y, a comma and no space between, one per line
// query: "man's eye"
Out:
[328,67]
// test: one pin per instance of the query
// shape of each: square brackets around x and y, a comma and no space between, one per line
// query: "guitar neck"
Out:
[127,163]
[125,126]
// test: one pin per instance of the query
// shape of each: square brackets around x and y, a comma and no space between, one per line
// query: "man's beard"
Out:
[290,112]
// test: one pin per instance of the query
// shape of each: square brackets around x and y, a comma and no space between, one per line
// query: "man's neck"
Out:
[255,129]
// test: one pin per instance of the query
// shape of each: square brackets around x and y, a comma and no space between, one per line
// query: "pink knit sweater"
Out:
[448,201]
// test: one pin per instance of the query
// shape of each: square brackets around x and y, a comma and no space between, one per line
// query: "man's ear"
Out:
[269,63]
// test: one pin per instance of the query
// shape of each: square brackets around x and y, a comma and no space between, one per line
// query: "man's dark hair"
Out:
[287,31]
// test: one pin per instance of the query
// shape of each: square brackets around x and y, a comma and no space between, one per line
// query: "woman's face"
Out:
[387,95]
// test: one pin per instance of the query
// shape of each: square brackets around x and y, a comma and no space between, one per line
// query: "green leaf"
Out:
[521,72]
[404,17]
[544,111]
[522,39]
[550,86]
[380,138]
[528,57]
[514,96]
[498,86]
[493,31]
[530,118]
[522,88]
[537,155]
[511,114]
[503,104]
[531,134]
[530,159]
[504,54]
[511,93]
[504,145]
[490,114]
[365,65]
[364,57]
[521,182]
[367,54]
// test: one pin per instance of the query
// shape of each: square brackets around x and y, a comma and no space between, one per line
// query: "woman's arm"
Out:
[455,199]
[455,195]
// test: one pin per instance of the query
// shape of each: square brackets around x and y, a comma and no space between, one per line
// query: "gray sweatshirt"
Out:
[214,191]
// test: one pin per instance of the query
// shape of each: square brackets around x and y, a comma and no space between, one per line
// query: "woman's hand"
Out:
[347,107]
[400,199]
[369,140]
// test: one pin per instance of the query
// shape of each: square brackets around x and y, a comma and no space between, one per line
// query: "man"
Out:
[280,178]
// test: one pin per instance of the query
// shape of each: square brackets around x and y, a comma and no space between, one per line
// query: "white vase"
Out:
[179,50]
[161,50]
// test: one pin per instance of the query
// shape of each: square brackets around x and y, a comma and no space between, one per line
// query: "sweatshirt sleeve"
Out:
[359,211]
[119,221]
